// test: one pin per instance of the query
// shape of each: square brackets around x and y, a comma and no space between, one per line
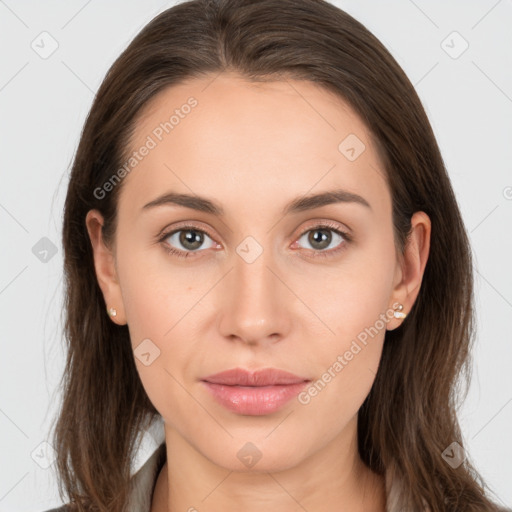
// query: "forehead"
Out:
[239,141]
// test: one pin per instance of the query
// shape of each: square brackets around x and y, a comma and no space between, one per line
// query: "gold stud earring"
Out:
[111,312]
[397,313]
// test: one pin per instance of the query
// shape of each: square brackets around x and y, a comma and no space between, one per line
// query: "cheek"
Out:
[156,294]
[346,368]
[352,298]
[162,310]
[354,305]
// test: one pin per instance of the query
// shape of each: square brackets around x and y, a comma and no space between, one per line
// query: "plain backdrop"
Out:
[458,56]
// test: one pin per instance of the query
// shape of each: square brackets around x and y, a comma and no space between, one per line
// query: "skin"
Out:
[253,148]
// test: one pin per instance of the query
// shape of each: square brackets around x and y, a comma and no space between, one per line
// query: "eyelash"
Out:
[316,253]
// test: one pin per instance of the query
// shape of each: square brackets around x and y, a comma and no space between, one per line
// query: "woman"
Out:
[263,250]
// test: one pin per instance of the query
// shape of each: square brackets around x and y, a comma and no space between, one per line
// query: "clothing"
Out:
[142,483]
[144,479]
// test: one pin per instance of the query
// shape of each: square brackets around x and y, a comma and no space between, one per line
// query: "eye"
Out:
[321,237]
[189,239]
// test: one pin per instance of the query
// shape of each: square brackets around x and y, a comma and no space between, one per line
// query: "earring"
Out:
[111,312]
[397,313]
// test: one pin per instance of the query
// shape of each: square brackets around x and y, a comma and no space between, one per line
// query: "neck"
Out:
[325,481]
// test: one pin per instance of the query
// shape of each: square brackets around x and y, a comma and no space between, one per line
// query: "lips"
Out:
[254,393]
[265,377]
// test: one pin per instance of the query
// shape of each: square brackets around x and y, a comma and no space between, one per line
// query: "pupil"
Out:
[322,238]
[191,239]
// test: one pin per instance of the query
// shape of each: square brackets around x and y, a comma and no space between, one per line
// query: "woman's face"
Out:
[266,283]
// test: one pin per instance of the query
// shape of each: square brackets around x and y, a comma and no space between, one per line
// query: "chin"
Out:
[251,456]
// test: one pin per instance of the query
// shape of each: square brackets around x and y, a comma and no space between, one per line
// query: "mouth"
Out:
[254,393]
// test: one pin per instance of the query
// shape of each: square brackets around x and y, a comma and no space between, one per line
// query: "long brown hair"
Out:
[409,417]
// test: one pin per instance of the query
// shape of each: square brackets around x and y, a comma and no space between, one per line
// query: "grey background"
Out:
[43,105]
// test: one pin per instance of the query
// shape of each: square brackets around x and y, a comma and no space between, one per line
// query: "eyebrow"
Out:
[299,204]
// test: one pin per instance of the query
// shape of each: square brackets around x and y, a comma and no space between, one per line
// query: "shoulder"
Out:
[142,483]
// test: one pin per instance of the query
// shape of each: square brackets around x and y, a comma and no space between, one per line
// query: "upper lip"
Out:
[264,377]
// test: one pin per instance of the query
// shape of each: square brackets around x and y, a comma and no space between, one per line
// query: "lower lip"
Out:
[254,401]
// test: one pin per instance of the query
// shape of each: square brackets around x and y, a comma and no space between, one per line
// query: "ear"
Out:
[410,268]
[104,264]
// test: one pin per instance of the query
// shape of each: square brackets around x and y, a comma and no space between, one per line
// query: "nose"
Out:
[255,304]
